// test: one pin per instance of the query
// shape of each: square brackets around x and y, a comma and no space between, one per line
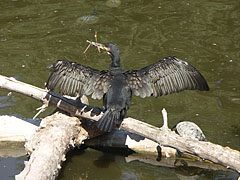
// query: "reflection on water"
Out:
[91,164]
[33,34]
[6,101]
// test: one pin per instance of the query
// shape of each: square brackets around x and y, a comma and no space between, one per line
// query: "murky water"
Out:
[34,34]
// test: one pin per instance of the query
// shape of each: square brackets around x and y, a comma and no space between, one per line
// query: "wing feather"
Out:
[167,76]
[75,79]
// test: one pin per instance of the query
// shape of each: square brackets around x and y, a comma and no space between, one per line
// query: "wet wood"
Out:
[163,136]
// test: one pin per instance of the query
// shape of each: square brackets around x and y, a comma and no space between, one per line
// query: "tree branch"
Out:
[49,145]
[206,150]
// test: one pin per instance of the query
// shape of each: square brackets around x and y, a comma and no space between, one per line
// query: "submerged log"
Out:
[163,136]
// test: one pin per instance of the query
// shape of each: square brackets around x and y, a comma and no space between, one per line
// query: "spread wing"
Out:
[167,76]
[75,79]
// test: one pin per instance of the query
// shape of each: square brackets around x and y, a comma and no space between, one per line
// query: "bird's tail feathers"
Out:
[108,119]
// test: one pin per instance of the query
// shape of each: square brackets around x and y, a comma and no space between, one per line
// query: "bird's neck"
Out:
[115,62]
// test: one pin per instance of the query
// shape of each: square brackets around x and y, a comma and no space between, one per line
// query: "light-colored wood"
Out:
[15,129]
[124,139]
[206,150]
[48,146]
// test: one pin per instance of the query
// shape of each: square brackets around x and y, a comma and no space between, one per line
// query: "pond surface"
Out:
[34,34]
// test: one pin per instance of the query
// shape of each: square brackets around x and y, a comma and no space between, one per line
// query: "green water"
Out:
[34,34]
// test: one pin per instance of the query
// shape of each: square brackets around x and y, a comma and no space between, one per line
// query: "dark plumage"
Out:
[167,76]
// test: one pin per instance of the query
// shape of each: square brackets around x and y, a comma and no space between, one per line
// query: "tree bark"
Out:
[48,146]
[206,150]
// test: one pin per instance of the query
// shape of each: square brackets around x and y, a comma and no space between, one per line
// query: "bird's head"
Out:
[110,49]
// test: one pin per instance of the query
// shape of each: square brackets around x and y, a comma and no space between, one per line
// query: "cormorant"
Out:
[167,76]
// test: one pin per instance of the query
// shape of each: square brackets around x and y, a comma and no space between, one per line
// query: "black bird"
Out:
[167,76]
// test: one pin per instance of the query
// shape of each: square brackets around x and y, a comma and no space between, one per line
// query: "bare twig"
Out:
[86,48]
[165,120]
[96,42]
[40,110]
[99,46]
[95,36]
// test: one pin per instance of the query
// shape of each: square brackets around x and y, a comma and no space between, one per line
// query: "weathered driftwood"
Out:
[46,164]
[58,132]
[15,129]
[48,146]
[206,150]
[125,140]
[23,130]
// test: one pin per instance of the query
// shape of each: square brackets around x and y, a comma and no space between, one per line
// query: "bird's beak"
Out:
[100,46]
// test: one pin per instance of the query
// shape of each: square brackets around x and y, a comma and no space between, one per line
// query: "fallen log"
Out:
[15,129]
[49,145]
[41,164]
[117,139]
[206,150]
[121,139]
[60,132]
